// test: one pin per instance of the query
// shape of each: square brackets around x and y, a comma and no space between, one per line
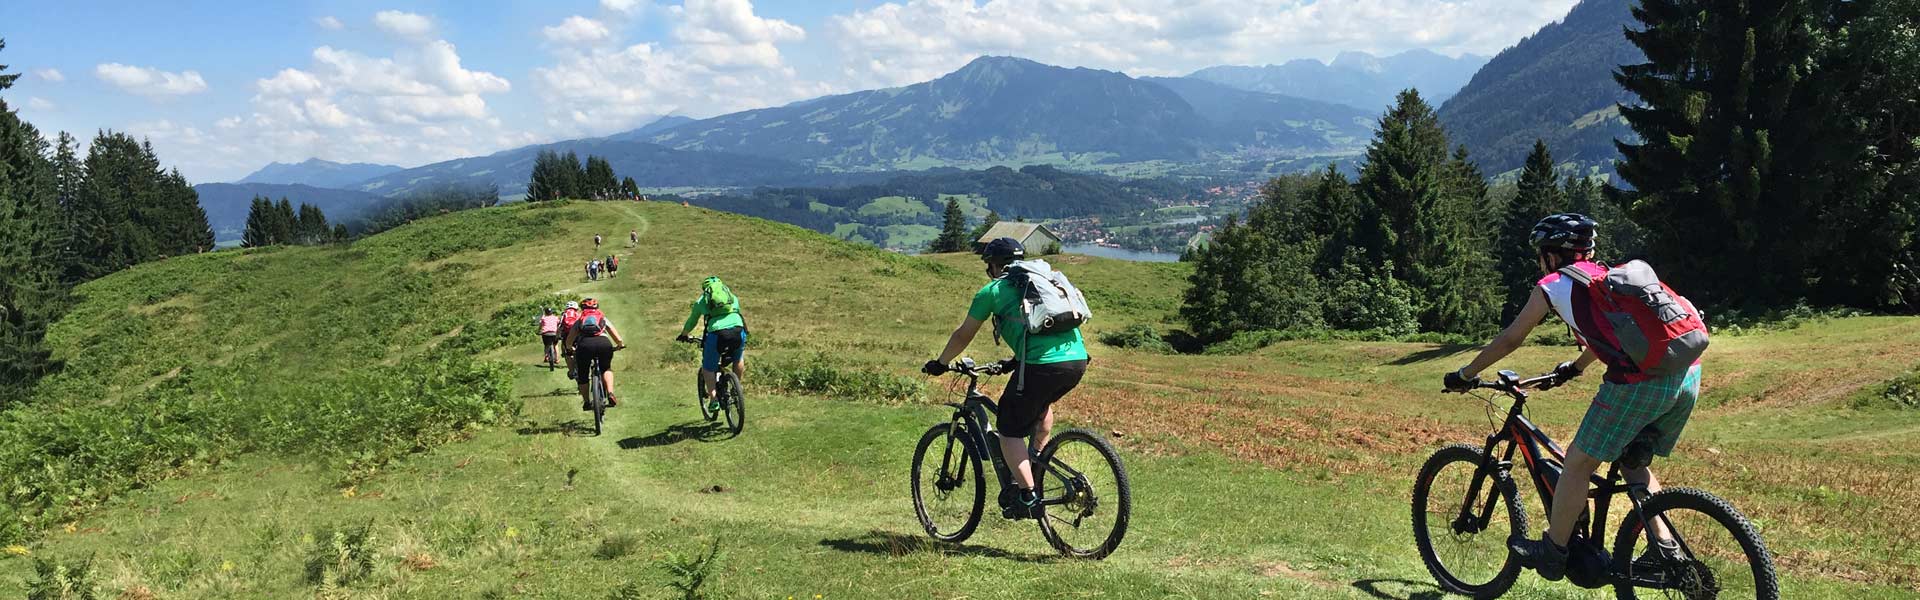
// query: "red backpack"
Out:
[568,318]
[592,323]
[1635,323]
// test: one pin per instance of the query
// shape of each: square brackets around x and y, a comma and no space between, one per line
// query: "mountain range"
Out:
[318,173]
[1355,79]
[1557,86]
[1009,110]
[650,165]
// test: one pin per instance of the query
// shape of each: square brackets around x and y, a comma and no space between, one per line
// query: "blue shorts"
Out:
[730,343]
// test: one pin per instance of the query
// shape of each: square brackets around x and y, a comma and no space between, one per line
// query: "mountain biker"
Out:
[593,269]
[550,331]
[725,337]
[633,237]
[592,339]
[567,318]
[596,241]
[1054,365]
[613,265]
[1619,411]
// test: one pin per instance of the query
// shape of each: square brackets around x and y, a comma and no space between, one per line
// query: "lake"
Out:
[1120,253]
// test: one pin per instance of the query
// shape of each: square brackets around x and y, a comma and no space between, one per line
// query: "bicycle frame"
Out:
[975,414]
[1546,462]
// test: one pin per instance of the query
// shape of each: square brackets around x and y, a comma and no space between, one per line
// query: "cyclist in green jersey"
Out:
[726,335]
[1054,365]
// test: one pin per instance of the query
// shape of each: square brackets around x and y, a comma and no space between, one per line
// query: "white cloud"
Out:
[39,104]
[329,23]
[625,7]
[150,82]
[576,30]
[897,43]
[724,58]
[50,75]
[403,24]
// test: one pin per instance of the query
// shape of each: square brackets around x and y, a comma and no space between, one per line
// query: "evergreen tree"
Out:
[32,293]
[340,235]
[1333,212]
[1732,137]
[1244,280]
[285,224]
[600,181]
[629,189]
[953,232]
[543,183]
[573,176]
[1539,195]
[993,218]
[312,226]
[259,232]
[1426,205]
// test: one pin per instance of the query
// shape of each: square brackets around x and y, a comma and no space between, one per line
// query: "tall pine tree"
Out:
[953,231]
[1539,195]
[32,291]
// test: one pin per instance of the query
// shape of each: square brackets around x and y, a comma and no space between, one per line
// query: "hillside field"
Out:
[391,386]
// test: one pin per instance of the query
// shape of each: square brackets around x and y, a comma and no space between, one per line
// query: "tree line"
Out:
[557,176]
[1777,162]
[66,220]
[270,223]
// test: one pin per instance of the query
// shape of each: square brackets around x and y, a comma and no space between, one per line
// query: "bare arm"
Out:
[615,334]
[1513,337]
[957,343]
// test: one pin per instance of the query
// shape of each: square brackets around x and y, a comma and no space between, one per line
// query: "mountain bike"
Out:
[1082,514]
[1463,540]
[596,393]
[553,354]
[733,401]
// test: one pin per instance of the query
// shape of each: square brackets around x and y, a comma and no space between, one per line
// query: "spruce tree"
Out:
[629,189]
[600,181]
[573,176]
[541,185]
[258,233]
[993,218]
[953,231]
[32,291]
[1539,195]
[312,227]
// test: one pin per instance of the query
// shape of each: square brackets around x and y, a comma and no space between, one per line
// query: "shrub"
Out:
[1138,337]
[340,556]
[1378,303]
[820,375]
[1900,392]
[1737,322]
[692,573]
[58,580]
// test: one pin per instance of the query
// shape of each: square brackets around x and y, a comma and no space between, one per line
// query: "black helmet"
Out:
[1005,248]
[1564,231]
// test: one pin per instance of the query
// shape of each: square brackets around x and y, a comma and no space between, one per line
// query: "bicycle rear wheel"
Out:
[733,402]
[1466,553]
[598,397]
[1726,559]
[1084,493]
[950,493]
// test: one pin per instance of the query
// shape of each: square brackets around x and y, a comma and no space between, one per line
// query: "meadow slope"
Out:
[1282,473]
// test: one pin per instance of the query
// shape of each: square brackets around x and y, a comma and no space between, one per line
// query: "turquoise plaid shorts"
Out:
[1621,410]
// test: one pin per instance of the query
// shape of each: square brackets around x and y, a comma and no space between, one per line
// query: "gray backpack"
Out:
[1050,302]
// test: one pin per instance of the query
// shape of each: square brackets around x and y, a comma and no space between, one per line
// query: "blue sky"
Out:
[222,88]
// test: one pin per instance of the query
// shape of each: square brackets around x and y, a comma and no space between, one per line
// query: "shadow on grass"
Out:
[886,543]
[1441,351]
[567,427]
[556,393]
[699,431]
[1400,589]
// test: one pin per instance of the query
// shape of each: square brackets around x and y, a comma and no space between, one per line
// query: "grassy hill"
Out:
[224,415]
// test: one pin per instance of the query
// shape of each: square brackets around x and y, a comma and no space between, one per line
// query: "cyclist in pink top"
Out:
[550,333]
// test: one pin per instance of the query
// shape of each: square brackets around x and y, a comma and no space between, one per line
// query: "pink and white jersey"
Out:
[1559,291]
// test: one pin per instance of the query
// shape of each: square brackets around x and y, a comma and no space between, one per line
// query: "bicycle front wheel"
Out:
[949,487]
[1463,540]
[733,402]
[598,394]
[1084,493]
[700,397]
[1725,558]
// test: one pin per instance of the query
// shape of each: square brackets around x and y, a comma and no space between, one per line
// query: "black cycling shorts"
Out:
[550,338]
[589,349]
[1021,410]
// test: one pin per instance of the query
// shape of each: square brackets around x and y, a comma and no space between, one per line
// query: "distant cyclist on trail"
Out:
[596,242]
[1054,364]
[592,340]
[613,265]
[1650,339]
[726,335]
[633,237]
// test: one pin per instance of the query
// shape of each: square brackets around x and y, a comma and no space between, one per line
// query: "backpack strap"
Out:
[1578,276]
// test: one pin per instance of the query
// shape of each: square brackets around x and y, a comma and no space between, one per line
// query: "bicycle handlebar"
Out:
[1510,383]
[966,366]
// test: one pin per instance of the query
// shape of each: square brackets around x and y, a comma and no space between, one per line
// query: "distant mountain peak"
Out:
[317,172]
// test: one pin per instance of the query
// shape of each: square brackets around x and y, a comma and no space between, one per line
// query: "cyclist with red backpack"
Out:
[567,318]
[1650,339]
[592,340]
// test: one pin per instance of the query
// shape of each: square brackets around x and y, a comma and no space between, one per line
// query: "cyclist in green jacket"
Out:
[1054,365]
[726,335]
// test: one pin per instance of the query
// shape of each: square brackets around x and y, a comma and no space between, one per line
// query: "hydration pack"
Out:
[720,300]
[1634,322]
[592,323]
